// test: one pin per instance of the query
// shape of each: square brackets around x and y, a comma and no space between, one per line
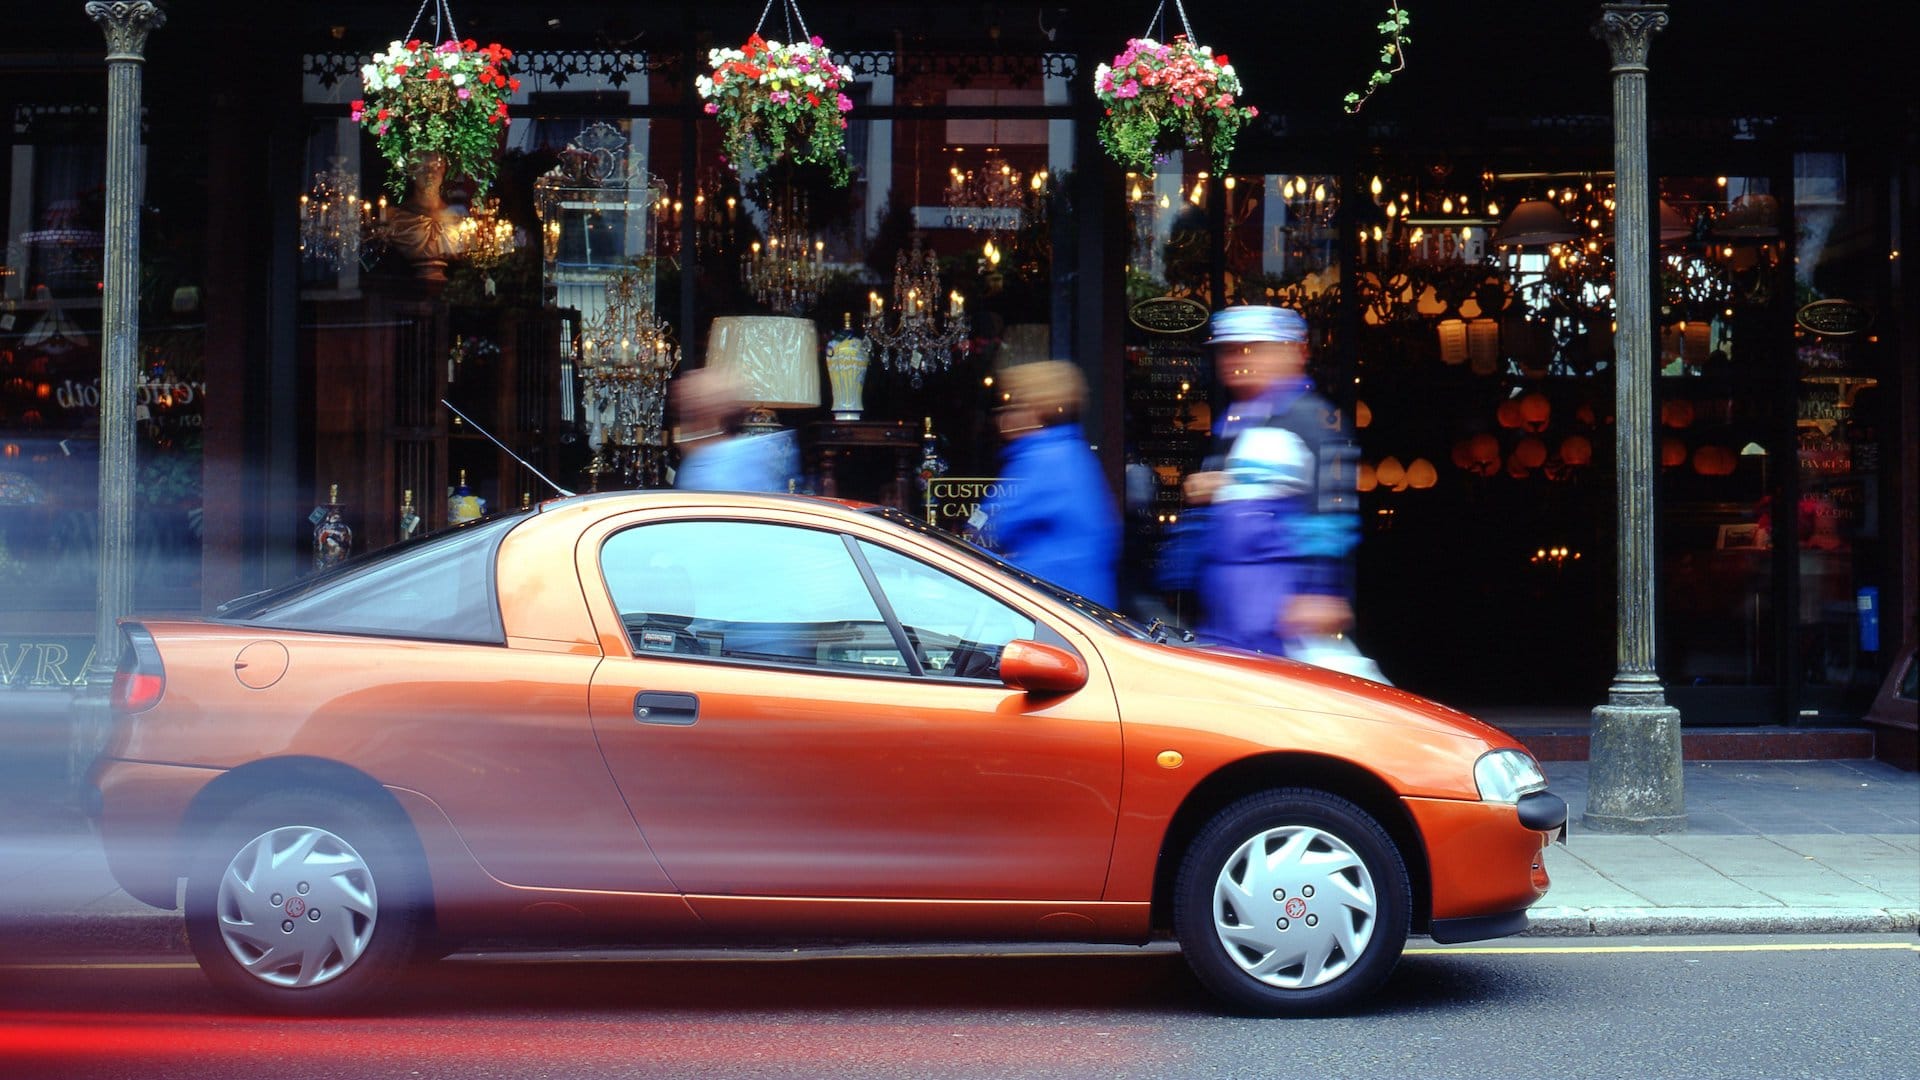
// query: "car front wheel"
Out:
[300,902]
[1292,901]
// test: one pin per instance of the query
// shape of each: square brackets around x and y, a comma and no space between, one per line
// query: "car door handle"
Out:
[655,707]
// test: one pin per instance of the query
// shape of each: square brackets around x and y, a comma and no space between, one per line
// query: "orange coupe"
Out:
[681,717]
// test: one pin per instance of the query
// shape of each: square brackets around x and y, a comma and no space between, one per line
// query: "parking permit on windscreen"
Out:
[977,519]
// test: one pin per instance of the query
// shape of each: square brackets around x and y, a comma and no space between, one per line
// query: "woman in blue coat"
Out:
[1055,516]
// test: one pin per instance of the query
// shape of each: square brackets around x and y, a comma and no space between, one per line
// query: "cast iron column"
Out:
[1634,778]
[125,25]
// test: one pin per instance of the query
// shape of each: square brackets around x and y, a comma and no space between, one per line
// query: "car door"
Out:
[776,734]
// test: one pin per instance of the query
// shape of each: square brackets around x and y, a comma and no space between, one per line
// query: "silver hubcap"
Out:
[1294,907]
[297,906]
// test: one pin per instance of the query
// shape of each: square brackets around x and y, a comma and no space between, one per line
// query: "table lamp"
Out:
[776,360]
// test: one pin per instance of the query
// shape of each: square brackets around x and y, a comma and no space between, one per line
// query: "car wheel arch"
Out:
[1264,772]
[233,789]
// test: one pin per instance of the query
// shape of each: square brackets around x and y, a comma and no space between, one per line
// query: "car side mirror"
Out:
[1043,669]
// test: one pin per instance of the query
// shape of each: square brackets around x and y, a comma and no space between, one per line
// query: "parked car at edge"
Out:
[683,717]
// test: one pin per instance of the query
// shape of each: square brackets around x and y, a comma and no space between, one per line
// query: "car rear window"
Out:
[438,589]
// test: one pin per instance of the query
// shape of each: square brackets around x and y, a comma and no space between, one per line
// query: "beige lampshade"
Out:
[775,358]
[1535,222]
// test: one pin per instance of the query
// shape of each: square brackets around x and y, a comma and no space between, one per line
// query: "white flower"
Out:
[459,79]
[1226,70]
[368,74]
[813,81]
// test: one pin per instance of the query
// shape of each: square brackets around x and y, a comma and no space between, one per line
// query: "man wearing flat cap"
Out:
[1284,511]
[1057,519]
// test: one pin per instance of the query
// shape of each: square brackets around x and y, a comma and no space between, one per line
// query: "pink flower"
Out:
[462,94]
[712,108]
[779,97]
[815,39]
[1128,90]
[845,103]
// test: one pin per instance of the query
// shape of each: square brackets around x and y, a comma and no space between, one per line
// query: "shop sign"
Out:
[44,663]
[1834,318]
[953,502]
[972,218]
[1168,315]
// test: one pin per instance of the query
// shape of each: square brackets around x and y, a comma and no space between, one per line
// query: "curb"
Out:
[1623,921]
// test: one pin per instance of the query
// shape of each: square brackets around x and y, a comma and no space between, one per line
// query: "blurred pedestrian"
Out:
[1055,517]
[714,454]
[1283,514]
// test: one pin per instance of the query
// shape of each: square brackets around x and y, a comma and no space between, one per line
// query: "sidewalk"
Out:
[1771,847]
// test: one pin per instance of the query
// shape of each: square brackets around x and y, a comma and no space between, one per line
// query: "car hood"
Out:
[1239,703]
[1248,676]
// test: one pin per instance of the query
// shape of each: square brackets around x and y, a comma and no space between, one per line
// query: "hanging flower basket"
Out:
[1164,98]
[449,98]
[777,101]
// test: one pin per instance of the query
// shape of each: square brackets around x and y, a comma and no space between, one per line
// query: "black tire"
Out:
[342,880]
[1348,909]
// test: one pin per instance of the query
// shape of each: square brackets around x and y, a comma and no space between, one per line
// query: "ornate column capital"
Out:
[1628,30]
[126,23]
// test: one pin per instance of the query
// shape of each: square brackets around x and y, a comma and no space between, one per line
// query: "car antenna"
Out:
[564,493]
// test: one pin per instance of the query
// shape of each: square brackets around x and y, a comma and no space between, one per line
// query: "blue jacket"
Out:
[1057,519]
[740,463]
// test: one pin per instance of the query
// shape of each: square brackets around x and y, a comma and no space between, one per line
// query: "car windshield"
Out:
[437,587]
[1113,620]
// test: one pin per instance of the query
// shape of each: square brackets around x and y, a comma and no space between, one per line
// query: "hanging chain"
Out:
[442,16]
[1160,20]
[790,11]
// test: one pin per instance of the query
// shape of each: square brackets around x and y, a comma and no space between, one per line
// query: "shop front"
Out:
[322,329]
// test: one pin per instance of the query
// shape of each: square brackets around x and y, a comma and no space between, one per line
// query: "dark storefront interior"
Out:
[1474,355]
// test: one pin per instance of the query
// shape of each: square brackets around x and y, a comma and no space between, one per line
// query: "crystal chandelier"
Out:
[994,197]
[335,224]
[714,208]
[486,236]
[627,354]
[917,343]
[787,270]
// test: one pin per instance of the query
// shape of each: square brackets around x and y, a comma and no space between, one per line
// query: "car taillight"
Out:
[141,679]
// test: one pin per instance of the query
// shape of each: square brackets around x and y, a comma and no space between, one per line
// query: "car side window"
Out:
[746,591]
[957,630]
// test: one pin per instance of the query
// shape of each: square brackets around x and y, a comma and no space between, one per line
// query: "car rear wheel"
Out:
[302,902]
[1291,902]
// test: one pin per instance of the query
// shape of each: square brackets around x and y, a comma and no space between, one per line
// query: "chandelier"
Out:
[714,208]
[994,197]
[626,356]
[486,236]
[785,273]
[336,225]
[918,343]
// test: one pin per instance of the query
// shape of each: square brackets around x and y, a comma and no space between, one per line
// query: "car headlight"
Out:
[1504,775]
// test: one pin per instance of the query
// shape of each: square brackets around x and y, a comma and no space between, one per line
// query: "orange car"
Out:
[695,717]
